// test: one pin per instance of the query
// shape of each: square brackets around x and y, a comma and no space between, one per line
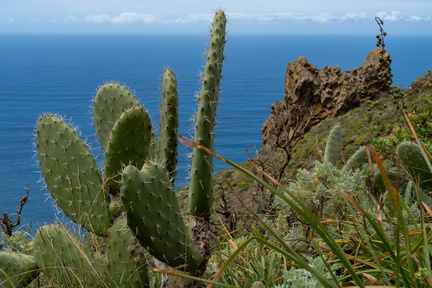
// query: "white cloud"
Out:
[415,18]
[191,18]
[35,20]
[354,16]
[71,18]
[132,17]
[393,16]
[323,17]
[126,17]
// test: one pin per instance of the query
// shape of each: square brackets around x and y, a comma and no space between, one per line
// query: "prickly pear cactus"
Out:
[110,102]
[71,174]
[201,183]
[169,123]
[129,143]
[20,268]
[60,255]
[154,217]
[127,265]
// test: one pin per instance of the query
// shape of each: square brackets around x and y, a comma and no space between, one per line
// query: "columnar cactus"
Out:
[201,183]
[333,147]
[169,123]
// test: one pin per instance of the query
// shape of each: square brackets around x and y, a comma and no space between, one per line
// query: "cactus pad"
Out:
[129,143]
[154,217]
[59,254]
[126,262]
[21,269]
[71,174]
[110,102]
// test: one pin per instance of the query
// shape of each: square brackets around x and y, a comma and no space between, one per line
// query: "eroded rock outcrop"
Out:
[312,95]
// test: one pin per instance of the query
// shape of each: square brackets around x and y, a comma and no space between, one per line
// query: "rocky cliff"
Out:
[312,95]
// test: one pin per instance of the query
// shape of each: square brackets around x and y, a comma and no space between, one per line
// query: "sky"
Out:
[193,16]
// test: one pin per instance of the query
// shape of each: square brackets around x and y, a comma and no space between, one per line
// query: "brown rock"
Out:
[312,95]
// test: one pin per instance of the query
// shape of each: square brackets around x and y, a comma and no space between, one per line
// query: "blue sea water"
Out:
[60,74]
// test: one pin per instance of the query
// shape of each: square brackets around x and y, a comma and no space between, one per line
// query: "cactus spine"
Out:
[201,184]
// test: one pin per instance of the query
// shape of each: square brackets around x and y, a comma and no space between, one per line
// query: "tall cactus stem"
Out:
[201,184]
[169,122]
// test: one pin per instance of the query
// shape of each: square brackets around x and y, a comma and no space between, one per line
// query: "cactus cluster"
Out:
[130,204]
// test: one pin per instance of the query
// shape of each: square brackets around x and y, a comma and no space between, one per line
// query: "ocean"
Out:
[60,74]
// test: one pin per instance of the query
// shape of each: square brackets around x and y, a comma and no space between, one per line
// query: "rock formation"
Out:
[312,95]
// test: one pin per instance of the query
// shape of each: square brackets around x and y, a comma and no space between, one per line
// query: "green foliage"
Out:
[301,278]
[19,242]
[319,189]
[255,263]
[420,119]
[373,239]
